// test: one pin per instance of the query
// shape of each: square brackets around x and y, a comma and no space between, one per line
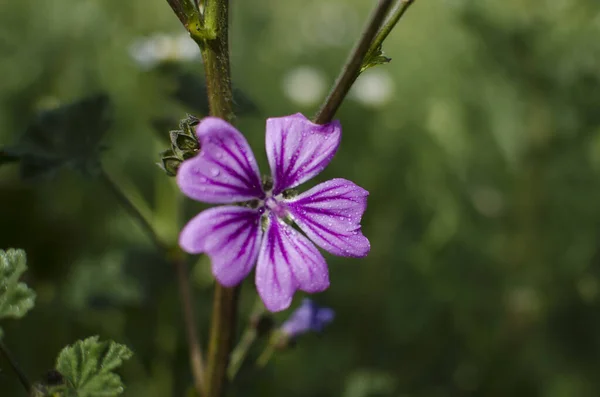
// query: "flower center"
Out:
[273,205]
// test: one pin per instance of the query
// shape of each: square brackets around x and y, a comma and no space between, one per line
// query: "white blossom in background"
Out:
[304,85]
[160,47]
[374,88]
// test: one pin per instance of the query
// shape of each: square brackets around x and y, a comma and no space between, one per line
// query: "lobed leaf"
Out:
[88,366]
[16,298]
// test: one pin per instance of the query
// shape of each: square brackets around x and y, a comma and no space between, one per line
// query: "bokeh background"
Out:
[479,144]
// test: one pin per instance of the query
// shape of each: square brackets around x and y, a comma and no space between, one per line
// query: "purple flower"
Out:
[308,317]
[236,237]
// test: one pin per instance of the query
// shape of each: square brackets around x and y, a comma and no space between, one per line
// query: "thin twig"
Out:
[352,67]
[397,13]
[195,352]
[13,363]
[133,211]
[241,350]
[178,261]
[254,330]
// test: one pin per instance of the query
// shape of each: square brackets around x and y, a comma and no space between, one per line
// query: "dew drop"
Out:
[215,171]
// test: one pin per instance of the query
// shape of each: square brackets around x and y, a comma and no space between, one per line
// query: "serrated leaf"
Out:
[68,136]
[16,298]
[88,367]
[377,58]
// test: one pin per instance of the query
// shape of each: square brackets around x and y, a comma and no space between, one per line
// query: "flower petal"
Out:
[330,215]
[230,236]
[287,261]
[225,170]
[299,149]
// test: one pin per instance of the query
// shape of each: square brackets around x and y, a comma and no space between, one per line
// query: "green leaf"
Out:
[377,58]
[16,299]
[87,367]
[68,136]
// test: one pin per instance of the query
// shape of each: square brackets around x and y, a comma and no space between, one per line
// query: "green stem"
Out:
[133,211]
[352,67]
[250,335]
[177,259]
[189,14]
[222,334]
[240,352]
[215,54]
[389,25]
[266,355]
[13,363]
[191,330]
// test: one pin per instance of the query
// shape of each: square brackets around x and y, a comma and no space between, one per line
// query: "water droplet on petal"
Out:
[215,171]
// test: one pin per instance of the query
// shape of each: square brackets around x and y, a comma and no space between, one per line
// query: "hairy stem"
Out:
[397,13]
[176,258]
[215,54]
[352,67]
[13,363]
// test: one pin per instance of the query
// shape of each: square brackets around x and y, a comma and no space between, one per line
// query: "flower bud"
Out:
[184,145]
[309,317]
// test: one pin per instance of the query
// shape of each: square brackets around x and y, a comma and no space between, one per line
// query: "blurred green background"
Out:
[479,144]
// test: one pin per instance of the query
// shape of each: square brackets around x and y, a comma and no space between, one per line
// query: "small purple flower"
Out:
[308,317]
[236,237]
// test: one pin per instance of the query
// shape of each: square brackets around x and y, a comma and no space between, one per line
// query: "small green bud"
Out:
[188,125]
[184,145]
[188,155]
[170,165]
[184,142]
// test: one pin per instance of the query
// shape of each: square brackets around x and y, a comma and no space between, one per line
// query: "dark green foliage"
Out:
[189,88]
[68,136]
